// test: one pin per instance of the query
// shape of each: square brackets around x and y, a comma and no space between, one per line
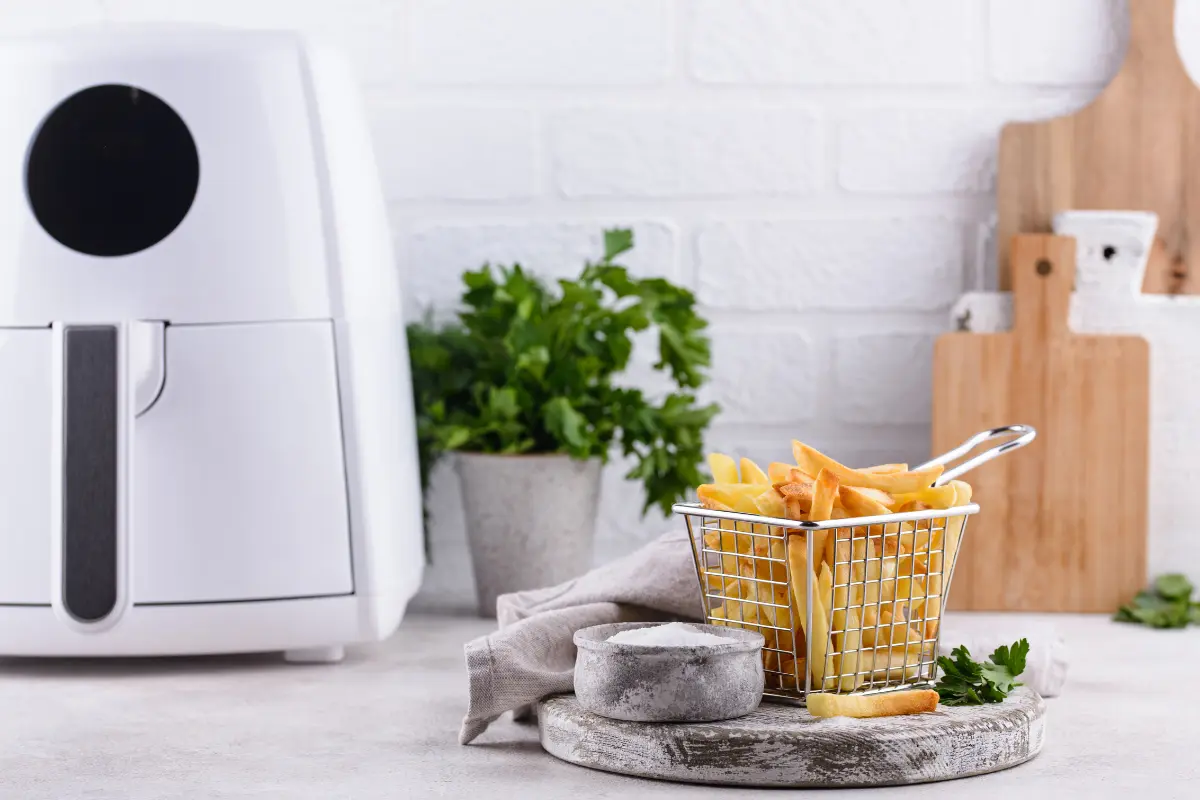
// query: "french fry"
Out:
[813,461]
[864,502]
[824,492]
[724,468]
[737,496]
[933,497]
[794,507]
[752,473]
[947,540]
[801,491]
[851,642]
[777,472]
[824,662]
[770,503]
[886,704]
[878,495]
[883,469]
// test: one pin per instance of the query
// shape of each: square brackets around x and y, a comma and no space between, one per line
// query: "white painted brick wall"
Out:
[456,153]
[821,172]
[540,42]
[834,43]
[844,264]
[918,152]
[689,154]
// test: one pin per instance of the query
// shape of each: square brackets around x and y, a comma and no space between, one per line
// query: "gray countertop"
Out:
[383,724]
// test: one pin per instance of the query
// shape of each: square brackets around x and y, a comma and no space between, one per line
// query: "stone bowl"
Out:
[649,683]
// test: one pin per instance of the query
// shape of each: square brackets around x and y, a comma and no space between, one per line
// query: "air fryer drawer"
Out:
[25,466]
[240,488]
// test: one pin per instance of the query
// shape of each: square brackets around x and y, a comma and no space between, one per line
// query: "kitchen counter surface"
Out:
[384,724]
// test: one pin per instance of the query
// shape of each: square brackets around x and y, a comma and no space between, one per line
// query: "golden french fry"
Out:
[713,505]
[777,472]
[770,503]
[883,469]
[864,502]
[724,468]
[950,539]
[737,496]
[892,663]
[813,461]
[933,497]
[823,661]
[752,473]
[849,645]
[824,492]
[799,494]
[794,507]
[886,704]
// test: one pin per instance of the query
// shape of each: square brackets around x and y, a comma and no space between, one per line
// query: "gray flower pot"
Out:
[531,520]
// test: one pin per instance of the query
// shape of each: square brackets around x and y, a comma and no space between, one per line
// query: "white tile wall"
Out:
[820,172]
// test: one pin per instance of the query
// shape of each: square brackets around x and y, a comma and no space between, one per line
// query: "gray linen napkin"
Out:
[532,655]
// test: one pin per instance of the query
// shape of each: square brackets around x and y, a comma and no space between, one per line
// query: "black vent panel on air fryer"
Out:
[112,171]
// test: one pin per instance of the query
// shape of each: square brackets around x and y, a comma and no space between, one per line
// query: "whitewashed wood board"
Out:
[780,745]
[1111,259]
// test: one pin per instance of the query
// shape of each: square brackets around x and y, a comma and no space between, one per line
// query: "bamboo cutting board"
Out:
[1136,147]
[1063,527]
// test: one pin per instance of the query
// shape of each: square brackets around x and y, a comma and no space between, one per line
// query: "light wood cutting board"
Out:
[1062,527]
[1136,147]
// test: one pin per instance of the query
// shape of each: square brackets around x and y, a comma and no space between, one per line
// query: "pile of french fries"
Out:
[877,588]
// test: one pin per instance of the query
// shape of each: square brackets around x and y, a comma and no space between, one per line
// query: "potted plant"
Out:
[522,387]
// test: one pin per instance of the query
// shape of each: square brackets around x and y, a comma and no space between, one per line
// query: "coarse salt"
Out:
[673,634]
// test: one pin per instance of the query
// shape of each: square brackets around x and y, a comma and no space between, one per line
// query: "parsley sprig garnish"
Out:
[966,682]
[1166,604]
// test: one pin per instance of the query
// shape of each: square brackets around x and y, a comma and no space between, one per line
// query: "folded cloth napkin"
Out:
[532,655]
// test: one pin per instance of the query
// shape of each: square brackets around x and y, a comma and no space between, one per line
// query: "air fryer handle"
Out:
[91,475]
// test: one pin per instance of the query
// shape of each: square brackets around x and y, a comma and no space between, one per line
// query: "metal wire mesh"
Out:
[864,619]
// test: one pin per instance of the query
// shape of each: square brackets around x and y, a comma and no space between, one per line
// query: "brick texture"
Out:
[913,152]
[540,42]
[763,376]
[456,154]
[840,264]
[882,379]
[833,42]
[685,153]
[1061,42]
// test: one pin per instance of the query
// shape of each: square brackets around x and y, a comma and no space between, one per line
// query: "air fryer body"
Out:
[206,423]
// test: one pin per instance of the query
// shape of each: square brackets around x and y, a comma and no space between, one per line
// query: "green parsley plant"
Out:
[526,367]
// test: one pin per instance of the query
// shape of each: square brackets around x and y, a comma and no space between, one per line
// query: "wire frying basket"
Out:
[866,616]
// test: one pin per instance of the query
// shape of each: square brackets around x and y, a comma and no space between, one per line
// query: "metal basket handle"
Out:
[1024,435]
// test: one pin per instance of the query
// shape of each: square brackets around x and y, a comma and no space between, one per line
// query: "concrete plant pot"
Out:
[531,520]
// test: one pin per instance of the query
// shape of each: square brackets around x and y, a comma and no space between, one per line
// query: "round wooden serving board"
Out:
[781,745]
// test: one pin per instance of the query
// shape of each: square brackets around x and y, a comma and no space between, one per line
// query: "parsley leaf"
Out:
[966,682]
[532,366]
[1166,604]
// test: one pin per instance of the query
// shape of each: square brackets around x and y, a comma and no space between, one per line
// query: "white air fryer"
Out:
[206,432]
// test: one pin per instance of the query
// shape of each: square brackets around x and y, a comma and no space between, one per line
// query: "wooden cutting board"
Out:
[1136,148]
[1062,525]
